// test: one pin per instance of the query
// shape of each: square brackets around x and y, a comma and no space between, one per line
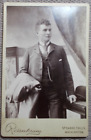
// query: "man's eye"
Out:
[45,30]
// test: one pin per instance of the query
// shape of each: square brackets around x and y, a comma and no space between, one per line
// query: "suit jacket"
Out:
[58,65]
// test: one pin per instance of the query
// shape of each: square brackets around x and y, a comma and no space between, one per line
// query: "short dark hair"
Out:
[42,21]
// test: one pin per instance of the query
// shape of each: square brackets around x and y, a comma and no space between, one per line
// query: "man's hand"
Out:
[72,98]
[38,87]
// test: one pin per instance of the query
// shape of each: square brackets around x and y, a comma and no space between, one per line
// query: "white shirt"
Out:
[45,49]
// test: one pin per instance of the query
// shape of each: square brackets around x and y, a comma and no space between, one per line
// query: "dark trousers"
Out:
[49,105]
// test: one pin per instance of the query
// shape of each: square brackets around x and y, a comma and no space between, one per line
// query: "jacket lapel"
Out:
[36,63]
[51,48]
[36,49]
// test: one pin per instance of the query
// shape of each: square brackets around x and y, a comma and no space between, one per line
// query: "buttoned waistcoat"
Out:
[58,64]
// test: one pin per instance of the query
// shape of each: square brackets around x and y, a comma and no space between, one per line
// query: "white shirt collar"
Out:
[41,46]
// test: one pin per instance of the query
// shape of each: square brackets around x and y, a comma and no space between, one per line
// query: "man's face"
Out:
[44,33]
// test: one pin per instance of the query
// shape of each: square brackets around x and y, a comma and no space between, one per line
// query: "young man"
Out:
[48,64]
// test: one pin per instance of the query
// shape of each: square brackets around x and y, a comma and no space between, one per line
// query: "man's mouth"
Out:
[47,35]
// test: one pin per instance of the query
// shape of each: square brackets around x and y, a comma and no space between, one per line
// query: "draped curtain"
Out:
[68,30]
[71,22]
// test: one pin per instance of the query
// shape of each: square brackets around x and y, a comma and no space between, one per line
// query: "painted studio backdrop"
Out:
[68,30]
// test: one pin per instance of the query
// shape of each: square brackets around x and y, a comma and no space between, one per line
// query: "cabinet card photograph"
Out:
[45,70]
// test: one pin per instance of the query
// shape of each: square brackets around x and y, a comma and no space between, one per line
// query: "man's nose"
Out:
[48,31]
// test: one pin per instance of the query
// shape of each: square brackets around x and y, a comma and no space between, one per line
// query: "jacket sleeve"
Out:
[25,63]
[69,85]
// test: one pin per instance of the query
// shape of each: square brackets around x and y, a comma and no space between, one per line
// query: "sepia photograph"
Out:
[45,69]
